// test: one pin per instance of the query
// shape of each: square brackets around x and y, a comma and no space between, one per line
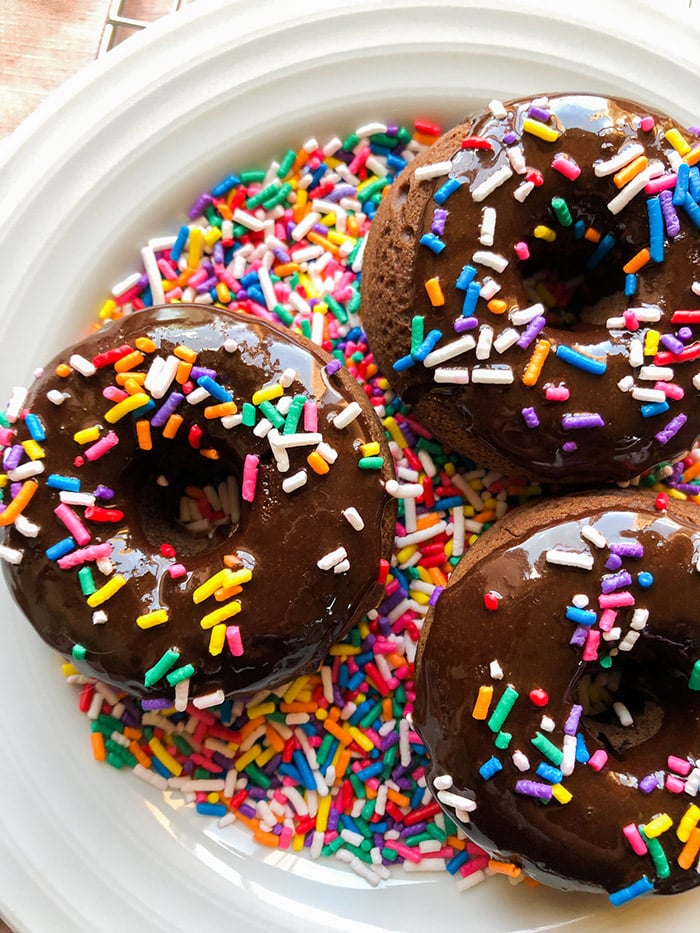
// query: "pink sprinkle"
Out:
[556,393]
[250,477]
[568,167]
[633,836]
[176,571]
[522,250]
[101,447]
[76,558]
[474,864]
[411,855]
[614,600]
[590,651]
[662,183]
[598,759]
[75,527]
[113,394]
[233,640]
[646,124]
[310,416]
[630,318]
[670,390]
[679,765]
[607,620]
[286,837]
[674,784]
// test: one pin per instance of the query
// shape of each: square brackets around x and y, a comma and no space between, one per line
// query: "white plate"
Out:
[112,159]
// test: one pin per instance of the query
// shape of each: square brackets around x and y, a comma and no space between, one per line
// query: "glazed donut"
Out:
[530,288]
[195,504]
[557,693]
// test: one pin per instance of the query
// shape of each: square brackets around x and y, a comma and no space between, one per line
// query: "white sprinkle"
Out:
[488,226]
[434,170]
[424,534]
[342,567]
[636,354]
[458,801]
[613,635]
[155,282]
[458,531]
[11,555]
[628,642]
[404,743]
[231,421]
[651,314]
[287,377]
[695,288]
[25,527]
[76,498]
[563,558]
[198,395]
[547,724]
[469,881]
[568,761]
[120,287]
[160,375]
[495,670]
[633,187]
[483,344]
[182,695]
[81,365]
[505,340]
[56,397]
[454,376]
[497,109]
[262,428]
[404,490]
[500,376]
[209,699]
[520,760]
[301,439]
[267,288]
[523,190]
[656,373]
[149,776]
[296,481]
[425,864]
[246,219]
[307,253]
[329,454]
[495,180]
[26,470]
[516,157]
[332,558]
[347,415]
[369,129]
[648,395]
[442,782]
[580,600]
[353,517]
[626,155]
[494,261]
[626,384]
[489,288]
[615,323]
[450,350]
[640,617]
[520,316]
[696,381]
[622,713]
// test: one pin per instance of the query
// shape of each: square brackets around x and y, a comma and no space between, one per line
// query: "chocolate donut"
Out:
[530,288]
[195,503]
[557,693]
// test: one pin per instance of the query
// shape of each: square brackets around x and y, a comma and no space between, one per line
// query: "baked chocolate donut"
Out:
[529,287]
[195,503]
[557,693]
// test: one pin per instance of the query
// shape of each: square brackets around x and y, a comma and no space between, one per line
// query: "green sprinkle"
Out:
[291,422]
[350,143]
[433,830]
[503,708]
[257,776]
[161,667]
[374,187]
[306,328]
[249,414]
[658,856]
[503,740]
[179,674]
[270,412]
[370,463]
[561,211]
[86,580]
[548,749]
[239,230]
[694,681]
[389,854]
[417,332]
[368,809]
[252,176]
[4,420]
[339,312]
[418,838]
[359,786]
[181,743]
[351,259]
[286,164]
[353,303]
[606,661]
[286,317]
[256,199]
[278,197]
[79,652]
[114,760]
[333,846]
[109,722]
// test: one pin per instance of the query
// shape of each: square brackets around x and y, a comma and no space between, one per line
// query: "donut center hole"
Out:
[624,706]
[190,502]
[574,295]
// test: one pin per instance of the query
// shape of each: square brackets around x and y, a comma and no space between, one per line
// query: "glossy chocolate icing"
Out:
[292,611]
[592,130]
[579,844]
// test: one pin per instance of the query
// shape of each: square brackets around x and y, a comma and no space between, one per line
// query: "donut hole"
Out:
[187,500]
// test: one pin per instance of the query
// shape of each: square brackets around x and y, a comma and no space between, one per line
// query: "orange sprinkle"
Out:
[690,850]
[497,306]
[232,561]
[99,752]
[343,762]
[456,842]
[123,365]
[143,434]
[252,824]
[427,521]
[182,373]
[317,463]
[63,370]
[432,287]
[423,138]
[592,235]
[286,268]
[437,576]
[536,362]
[224,593]
[297,707]
[693,157]
[504,868]
[172,426]
[395,659]
[483,701]
[145,344]
[220,410]
[274,739]
[139,754]
[637,262]
[19,503]
[185,353]
[250,726]
[323,241]
[210,453]
[334,713]
[488,515]
[299,208]
[352,225]
[626,174]
[266,839]
[691,472]
[337,731]
[129,380]
[387,709]
[401,800]
[130,732]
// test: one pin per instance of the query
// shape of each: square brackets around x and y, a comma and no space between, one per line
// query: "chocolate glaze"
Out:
[291,610]
[486,421]
[579,844]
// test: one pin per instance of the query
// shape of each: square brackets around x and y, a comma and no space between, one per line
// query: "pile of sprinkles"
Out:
[328,763]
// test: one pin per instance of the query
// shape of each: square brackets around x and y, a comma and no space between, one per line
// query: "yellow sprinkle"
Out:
[679,144]
[260,709]
[637,262]
[651,342]
[248,757]
[321,714]
[149,619]
[688,822]
[143,434]
[145,344]
[213,797]
[539,129]
[328,220]
[450,469]
[561,794]
[343,650]
[544,233]
[131,381]
[223,292]
[130,361]
[107,309]
[267,393]
[658,825]
[69,670]
[212,236]
[112,586]
[212,584]
[361,739]
[295,688]
[265,756]
[536,362]
[298,842]
[483,701]
[63,370]
[423,598]
[217,639]
[406,553]
[677,494]
[324,809]
[185,353]
[220,615]
[33,450]
[432,287]
[371,449]
[195,247]
[127,405]
[394,431]
[339,238]
[164,757]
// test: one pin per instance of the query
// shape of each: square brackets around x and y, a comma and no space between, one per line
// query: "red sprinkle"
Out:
[661,502]
[539,697]
[475,142]
[491,600]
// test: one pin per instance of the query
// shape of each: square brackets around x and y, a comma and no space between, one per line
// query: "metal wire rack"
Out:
[125,17]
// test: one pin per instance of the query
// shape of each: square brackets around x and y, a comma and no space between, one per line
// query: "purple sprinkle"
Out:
[627,549]
[672,343]
[160,703]
[12,456]
[590,420]
[530,417]
[249,812]
[341,191]
[465,323]
[435,595]
[333,819]
[685,334]
[167,409]
[198,371]
[579,637]
[569,446]
[218,253]
[537,113]
[614,562]
[15,488]
[571,724]
[688,488]
[510,138]
[695,130]
[615,581]
[257,793]
[671,429]
[103,492]
[199,205]
[534,789]
[531,331]
[439,218]
[648,783]
[671,221]
[332,367]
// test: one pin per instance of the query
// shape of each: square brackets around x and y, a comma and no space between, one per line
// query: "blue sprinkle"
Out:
[653,408]
[581,616]
[465,278]
[456,862]
[630,285]
[645,579]
[656,229]
[601,251]
[579,229]
[35,427]
[580,360]
[490,767]
[692,209]
[158,766]
[225,185]
[355,681]
[66,483]
[249,279]
[307,779]
[445,190]
[214,389]
[403,362]
[433,242]
[582,753]
[471,299]
[62,547]
[395,162]
[694,182]
[681,189]
[364,774]
[143,410]
[549,772]
[428,344]
[211,809]
[180,243]
[623,895]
